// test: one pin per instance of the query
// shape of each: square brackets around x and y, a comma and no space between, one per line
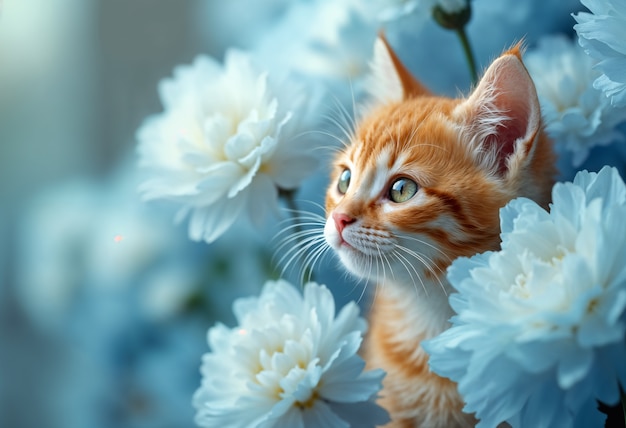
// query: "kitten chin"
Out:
[379,255]
[360,248]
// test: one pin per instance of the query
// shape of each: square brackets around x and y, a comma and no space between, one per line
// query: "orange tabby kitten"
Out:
[420,184]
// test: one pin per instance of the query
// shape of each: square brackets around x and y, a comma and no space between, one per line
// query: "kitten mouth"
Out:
[357,240]
[345,244]
[371,243]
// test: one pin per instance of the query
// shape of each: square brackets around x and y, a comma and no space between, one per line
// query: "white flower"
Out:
[389,10]
[225,144]
[289,363]
[453,6]
[539,334]
[602,33]
[577,116]
[83,235]
[327,40]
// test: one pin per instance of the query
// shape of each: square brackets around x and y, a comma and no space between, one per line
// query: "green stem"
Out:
[624,405]
[469,54]
[288,197]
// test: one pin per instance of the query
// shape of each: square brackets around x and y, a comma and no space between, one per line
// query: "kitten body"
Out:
[420,183]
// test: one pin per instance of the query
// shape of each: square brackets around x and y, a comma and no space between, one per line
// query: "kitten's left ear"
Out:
[389,79]
[502,117]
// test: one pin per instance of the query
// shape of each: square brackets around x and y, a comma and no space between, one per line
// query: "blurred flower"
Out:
[124,296]
[214,20]
[577,116]
[453,6]
[390,10]
[602,33]
[86,234]
[540,325]
[290,362]
[225,145]
[326,44]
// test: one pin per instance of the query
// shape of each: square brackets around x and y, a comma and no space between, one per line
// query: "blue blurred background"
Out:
[104,303]
[94,284]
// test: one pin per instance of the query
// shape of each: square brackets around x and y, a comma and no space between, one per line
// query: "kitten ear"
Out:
[389,80]
[502,116]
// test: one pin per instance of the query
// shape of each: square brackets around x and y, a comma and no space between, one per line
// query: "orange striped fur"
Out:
[468,157]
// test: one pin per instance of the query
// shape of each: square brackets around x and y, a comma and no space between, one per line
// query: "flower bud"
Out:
[452,14]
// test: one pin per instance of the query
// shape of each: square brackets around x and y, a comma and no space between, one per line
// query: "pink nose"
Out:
[342,220]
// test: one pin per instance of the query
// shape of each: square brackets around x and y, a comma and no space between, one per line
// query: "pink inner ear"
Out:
[507,106]
[508,132]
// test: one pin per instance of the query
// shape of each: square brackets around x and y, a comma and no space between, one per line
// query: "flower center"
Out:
[308,403]
[519,288]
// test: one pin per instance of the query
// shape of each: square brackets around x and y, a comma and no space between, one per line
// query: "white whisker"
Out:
[410,270]
[316,255]
[299,239]
[295,253]
[427,263]
[425,243]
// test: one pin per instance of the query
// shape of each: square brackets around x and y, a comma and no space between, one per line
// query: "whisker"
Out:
[363,289]
[310,223]
[334,137]
[296,231]
[299,239]
[369,275]
[427,263]
[349,120]
[295,253]
[384,259]
[296,226]
[410,270]
[347,133]
[426,243]
[303,212]
[343,124]
[318,249]
[316,255]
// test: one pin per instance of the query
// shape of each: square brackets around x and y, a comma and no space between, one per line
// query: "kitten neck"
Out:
[424,307]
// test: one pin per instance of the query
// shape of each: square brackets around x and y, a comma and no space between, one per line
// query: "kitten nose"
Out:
[342,220]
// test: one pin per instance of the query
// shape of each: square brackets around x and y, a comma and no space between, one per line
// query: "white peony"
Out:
[577,115]
[289,363]
[602,33]
[228,140]
[540,329]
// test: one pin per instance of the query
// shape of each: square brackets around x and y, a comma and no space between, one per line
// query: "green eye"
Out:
[344,181]
[402,190]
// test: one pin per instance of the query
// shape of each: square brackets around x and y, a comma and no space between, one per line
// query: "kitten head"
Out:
[424,177]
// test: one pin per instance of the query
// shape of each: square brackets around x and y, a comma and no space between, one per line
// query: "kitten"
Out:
[421,183]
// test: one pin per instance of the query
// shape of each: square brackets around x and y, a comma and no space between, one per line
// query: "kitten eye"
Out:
[402,190]
[344,181]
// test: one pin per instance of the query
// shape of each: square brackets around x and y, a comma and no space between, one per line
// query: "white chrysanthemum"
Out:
[321,40]
[577,116]
[602,33]
[289,363]
[540,329]
[225,143]
[388,10]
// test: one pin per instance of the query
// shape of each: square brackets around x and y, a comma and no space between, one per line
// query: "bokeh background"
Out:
[104,303]
[80,344]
